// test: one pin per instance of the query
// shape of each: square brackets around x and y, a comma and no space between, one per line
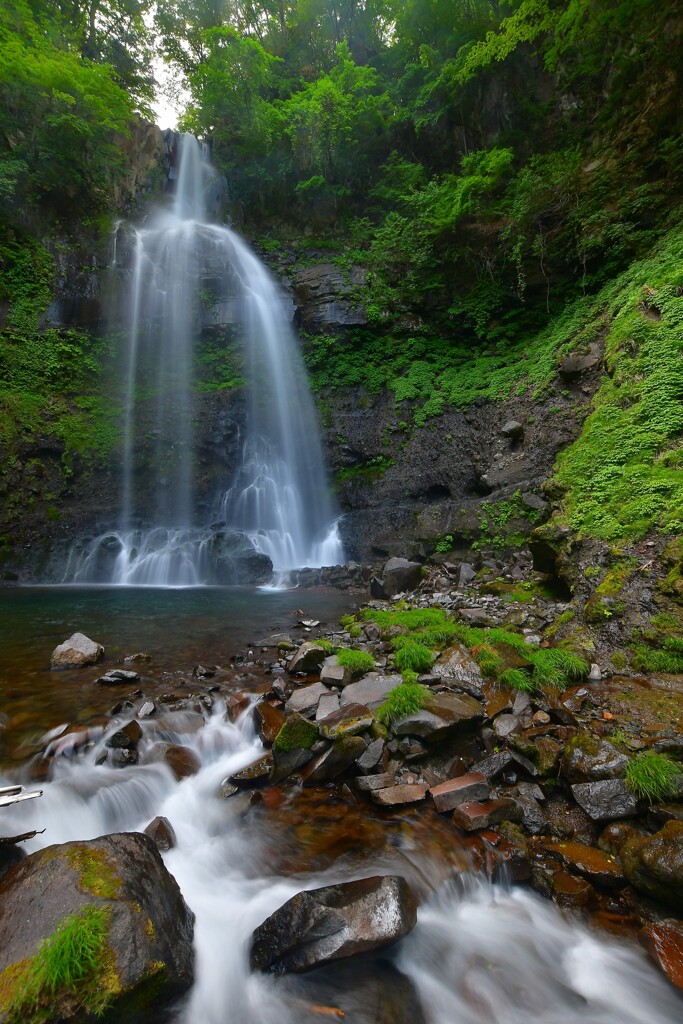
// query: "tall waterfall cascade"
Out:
[179,273]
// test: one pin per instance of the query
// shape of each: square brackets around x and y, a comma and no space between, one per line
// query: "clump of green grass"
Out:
[409,618]
[550,668]
[74,962]
[652,776]
[326,645]
[402,701]
[645,659]
[412,655]
[516,679]
[357,661]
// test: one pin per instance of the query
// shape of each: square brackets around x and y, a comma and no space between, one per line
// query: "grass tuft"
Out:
[652,776]
[358,661]
[411,655]
[402,701]
[516,679]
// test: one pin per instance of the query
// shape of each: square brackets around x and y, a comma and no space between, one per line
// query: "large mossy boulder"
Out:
[654,864]
[93,930]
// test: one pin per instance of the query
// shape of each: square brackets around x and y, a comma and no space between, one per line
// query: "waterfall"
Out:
[183,274]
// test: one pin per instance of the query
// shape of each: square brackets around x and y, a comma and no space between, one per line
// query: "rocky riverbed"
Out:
[443,717]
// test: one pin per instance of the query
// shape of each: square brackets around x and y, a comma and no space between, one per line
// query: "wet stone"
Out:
[126,737]
[268,721]
[119,676]
[334,761]
[308,658]
[334,674]
[146,709]
[182,761]
[440,716]
[474,816]
[470,788]
[255,774]
[368,783]
[593,864]
[122,757]
[227,789]
[456,667]
[328,705]
[78,651]
[395,796]
[605,800]
[589,759]
[664,942]
[504,725]
[162,834]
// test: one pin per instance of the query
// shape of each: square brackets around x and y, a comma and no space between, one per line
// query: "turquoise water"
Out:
[177,628]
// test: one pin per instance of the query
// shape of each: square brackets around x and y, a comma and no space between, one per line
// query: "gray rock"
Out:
[78,651]
[308,658]
[468,788]
[161,832]
[334,922]
[335,761]
[396,796]
[371,690]
[148,927]
[400,575]
[605,800]
[372,757]
[512,429]
[327,705]
[351,720]
[504,725]
[368,783]
[334,674]
[467,574]
[441,715]
[588,758]
[306,698]
[117,676]
[455,666]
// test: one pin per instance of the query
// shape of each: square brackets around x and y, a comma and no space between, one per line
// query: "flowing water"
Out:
[176,275]
[480,954]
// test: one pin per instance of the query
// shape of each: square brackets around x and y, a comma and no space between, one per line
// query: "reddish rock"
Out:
[473,816]
[587,861]
[268,720]
[182,761]
[255,774]
[664,943]
[236,705]
[395,796]
[470,788]
[572,892]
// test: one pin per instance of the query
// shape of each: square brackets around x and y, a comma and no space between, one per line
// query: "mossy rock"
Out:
[113,939]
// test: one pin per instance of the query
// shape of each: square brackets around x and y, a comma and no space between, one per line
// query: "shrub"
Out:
[652,776]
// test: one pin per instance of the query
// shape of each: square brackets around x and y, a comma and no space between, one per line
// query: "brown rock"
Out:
[255,774]
[161,832]
[664,943]
[470,788]
[268,720]
[588,861]
[182,761]
[395,796]
[473,816]
[350,720]
[77,652]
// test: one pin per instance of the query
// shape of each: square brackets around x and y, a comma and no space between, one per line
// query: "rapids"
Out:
[480,952]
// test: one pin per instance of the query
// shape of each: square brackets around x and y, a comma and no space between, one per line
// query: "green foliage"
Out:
[549,668]
[645,659]
[653,777]
[74,964]
[622,476]
[410,618]
[327,645]
[403,700]
[358,661]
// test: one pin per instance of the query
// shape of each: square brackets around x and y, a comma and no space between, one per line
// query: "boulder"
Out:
[334,922]
[327,706]
[182,761]
[512,429]
[371,690]
[255,774]
[605,800]
[372,758]
[474,816]
[268,721]
[77,652]
[113,894]
[441,715]
[593,864]
[654,864]
[306,698]
[664,942]
[330,764]
[588,758]
[308,658]
[351,720]
[455,666]
[334,674]
[400,575]
[126,737]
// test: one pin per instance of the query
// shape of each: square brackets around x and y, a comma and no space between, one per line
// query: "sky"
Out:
[165,108]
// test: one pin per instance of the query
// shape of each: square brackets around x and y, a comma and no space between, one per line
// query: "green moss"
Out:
[74,966]
[326,645]
[402,701]
[516,679]
[645,659]
[97,873]
[296,734]
[652,776]
[409,618]
[619,660]
[358,661]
